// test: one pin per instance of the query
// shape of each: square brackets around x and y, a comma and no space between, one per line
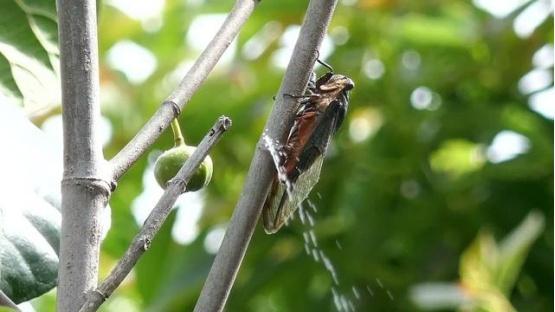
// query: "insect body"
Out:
[320,114]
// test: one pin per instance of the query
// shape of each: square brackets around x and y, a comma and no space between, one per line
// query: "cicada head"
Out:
[336,84]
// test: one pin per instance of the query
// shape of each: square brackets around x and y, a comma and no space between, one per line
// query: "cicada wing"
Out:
[305,183]
[276,198]
[307,172]
[320,139]
[279,207]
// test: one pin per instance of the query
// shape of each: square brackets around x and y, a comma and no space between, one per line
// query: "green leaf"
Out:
[478,270]
[29,238]
[478,262]
[46,8]
[457,157]
[514,249]
[489,270]
[28,47]
[8,87]
[29,208]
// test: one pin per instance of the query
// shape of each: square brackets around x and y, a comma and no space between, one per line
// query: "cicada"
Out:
[320,114]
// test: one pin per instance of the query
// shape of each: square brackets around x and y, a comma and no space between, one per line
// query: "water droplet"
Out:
[309,218]
[313,238]
[370,292]
[312,205]
[390,295]
[356,293]
[307,249]
[306,237]
[315,255]
[339,246]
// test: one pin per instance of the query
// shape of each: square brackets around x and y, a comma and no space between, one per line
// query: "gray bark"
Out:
[88,179]
[87,182]
[243,222]
[172,106]
[85,190]
[157,216]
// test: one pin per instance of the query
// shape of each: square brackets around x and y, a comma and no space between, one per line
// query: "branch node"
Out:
[225,267]
[101,294]
[157,216]
[181,183]
[90,182]
[175,108]
[189,84]
[113,186]
[146,243]
[225,122]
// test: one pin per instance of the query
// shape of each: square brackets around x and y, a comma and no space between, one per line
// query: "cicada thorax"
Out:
[321,112]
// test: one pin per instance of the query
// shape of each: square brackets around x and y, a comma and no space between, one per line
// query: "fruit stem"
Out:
[177,136]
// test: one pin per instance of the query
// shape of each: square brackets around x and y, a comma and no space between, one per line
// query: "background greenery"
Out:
[411,179]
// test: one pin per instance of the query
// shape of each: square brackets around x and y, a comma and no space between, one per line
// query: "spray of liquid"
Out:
[342,301]
[275,150]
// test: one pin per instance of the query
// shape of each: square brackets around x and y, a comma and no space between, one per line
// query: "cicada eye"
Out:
[349,84]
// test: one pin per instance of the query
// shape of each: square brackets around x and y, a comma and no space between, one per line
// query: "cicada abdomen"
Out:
[320,114]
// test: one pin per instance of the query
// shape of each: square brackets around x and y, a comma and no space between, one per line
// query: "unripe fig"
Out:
[168,164]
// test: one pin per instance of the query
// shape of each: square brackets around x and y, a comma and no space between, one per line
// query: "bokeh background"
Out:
[446,150]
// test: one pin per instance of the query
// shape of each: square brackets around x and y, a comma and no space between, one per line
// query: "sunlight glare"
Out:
[507,145]
[532,17]
[535,80]
[202,30]
[149,13]
[373,69]
[214,238]
[190,205]
[499,8]
[281,56]
[543,103]
[133,60]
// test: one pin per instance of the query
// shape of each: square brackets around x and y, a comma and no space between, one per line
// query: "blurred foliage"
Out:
[488,272]
[406,187]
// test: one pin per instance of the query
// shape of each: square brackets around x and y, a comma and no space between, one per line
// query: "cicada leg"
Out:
[326,65]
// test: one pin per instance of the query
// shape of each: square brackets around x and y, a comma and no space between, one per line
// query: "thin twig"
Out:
[174,104]
[228,260]
[5,301]
[154,222]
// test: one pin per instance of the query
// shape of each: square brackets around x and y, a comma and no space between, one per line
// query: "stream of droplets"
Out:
[342,301]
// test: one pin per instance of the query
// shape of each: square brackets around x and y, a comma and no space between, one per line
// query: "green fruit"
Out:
[169,163]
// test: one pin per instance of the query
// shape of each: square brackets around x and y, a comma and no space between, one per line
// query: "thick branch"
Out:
[152,225]
[85,191]
[173,105]
[228,260]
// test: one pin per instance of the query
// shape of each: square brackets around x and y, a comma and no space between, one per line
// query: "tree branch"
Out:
[243,222]
[152,225]
[172,106]
[5,301]
[85,190]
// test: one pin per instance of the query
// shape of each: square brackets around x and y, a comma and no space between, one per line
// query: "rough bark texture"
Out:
[88,179]
[85,191]
[239,232]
